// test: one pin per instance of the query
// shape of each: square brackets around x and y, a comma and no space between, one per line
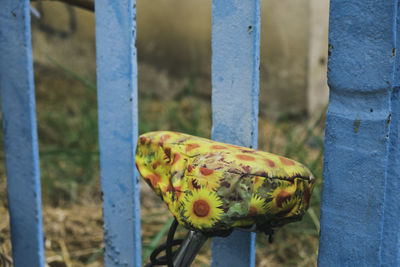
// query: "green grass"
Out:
[296,244]
[67,128]
[68,131]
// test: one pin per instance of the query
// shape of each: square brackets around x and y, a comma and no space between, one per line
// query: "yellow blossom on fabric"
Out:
[196,183]
[212,186]
[258,182]
[283,198]
[202,208]
[257,205]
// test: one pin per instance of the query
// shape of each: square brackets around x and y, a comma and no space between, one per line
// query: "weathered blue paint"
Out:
[235,79]
[360,223]
[118,129]
[20,133]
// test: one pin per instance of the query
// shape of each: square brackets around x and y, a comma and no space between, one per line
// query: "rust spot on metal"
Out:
[356,124]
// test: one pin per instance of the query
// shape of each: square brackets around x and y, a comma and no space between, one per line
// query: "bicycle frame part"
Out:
[191,245]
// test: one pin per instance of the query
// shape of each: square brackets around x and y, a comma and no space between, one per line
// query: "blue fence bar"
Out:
[235,79]
[20,133]
[118,129]
[360,223]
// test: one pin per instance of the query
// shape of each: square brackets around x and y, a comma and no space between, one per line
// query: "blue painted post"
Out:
[360,223]
[20,133]
[118,129]
[235,79]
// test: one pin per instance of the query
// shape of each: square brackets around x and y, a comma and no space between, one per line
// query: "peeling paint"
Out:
[118,128]
[17,97]
[235,75]
[360,199]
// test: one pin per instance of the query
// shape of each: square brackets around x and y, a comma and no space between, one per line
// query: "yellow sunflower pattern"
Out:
[202,208]
[212,186]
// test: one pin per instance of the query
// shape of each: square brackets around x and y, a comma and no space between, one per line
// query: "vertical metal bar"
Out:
[361,202]
[118,129]
[20,133]
[235,79]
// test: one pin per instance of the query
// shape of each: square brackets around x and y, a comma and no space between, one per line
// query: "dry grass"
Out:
[73,231]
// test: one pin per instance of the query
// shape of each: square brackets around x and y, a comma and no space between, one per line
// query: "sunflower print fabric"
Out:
[214,187]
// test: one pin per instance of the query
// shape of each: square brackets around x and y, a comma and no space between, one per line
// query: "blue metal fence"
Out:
[360,209]
[235,80]
[360,214]
[20,133]
[118,130]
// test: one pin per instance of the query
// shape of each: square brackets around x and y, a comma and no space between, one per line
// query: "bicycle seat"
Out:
[215,187]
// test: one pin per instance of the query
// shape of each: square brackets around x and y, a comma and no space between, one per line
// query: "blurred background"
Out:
[174,53]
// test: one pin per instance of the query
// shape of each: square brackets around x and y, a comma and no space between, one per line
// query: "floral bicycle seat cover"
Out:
[214,187]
